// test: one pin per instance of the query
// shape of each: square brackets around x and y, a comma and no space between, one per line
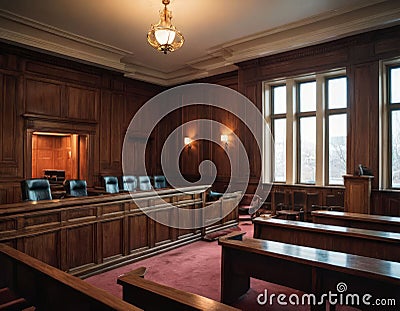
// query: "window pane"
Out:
[395,85]
[395,149]
[337,93]
[279,99]
[307,150]
[308,96]
[337,148]
[280,150]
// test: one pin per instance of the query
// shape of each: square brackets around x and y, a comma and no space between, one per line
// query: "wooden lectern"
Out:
[357,193]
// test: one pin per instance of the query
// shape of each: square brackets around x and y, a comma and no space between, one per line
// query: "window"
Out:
[336,104]
[308,118]
[307,131]
[394,122]
[279,131]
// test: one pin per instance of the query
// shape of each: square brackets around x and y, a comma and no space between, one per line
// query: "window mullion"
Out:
[290,132]
[320,139]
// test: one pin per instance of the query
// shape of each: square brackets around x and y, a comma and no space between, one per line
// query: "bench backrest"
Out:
[48,288]
[357,220]
[370,243]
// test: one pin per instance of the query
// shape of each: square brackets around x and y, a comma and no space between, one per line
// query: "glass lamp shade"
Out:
[164,36]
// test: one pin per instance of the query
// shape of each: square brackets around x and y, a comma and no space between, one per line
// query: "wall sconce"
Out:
[224,139]
[188,142]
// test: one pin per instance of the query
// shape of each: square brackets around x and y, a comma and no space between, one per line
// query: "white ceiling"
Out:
[218,33]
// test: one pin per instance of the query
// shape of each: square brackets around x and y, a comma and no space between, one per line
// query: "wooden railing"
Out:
[357,220]
[86,235]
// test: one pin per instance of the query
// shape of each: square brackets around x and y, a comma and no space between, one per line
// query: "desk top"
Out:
[287,212]
[357,216]
[26,206]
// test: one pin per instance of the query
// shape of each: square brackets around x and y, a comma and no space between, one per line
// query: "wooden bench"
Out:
[311,270]
[150,295]
[370,243]
[31,283]
[357,220]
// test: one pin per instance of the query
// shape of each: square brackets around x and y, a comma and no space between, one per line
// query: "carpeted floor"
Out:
[196,268]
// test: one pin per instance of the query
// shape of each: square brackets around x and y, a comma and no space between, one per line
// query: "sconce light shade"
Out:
[187,141]
[164,36]
[224,139]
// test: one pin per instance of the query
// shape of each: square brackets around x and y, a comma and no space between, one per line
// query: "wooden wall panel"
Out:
[10,132]
[117,129]
[43,97]
[8,93]
[364,118]
[138,230]
[40,92]
[80,246]
[49,250]
[82,103]
[112,237]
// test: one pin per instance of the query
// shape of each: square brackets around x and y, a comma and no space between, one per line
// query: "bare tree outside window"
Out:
[394,121]
[337,129]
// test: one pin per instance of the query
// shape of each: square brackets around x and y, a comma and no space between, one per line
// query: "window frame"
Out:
[299,116]
[273,117]
[330,112]
[390,107]
[293,126]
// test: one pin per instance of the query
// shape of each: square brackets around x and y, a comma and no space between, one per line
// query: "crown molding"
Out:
[219,59]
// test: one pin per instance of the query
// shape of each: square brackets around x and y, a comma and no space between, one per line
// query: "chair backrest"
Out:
[129,183]
[35,189]
[111,184]
[279,200]
[76,187]
[144,183]
[160,181]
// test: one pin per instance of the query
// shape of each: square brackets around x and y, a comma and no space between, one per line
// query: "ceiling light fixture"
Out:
[163,36]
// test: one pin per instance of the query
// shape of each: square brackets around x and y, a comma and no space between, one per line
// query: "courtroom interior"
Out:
[296,193]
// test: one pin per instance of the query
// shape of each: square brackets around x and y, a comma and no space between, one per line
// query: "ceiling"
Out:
[218,33]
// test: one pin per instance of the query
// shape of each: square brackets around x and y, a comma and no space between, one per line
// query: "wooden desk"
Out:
[310,270]
[289,214]
[85,235]
[54,175]
[150,295]
[369,243]
[357,220]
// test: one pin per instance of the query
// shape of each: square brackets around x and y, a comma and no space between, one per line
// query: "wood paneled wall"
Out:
[45,92]
[360,55]
[40,92]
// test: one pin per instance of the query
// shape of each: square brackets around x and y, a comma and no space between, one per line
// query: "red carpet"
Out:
[195,268]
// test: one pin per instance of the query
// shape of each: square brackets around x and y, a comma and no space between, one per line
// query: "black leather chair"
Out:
[144,183]
[213,195]
[129,183]
[111,184]
[75,187]
[159,181]
[35,189]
